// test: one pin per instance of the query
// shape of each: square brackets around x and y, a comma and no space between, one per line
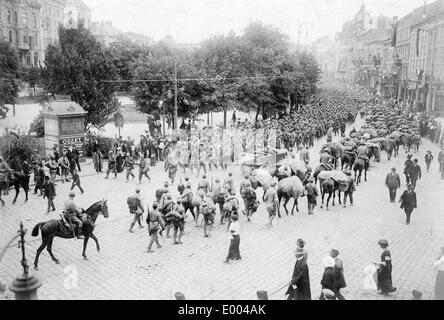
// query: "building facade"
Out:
[20,25]
[51,16]
[105,32]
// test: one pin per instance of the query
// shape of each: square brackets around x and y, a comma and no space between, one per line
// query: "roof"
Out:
[63,105]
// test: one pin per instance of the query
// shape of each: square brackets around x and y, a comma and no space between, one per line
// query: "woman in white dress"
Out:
[439,284]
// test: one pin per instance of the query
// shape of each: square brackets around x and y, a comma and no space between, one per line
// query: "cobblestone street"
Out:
[123,269]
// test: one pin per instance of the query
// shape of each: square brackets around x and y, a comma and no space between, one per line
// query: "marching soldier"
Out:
[112,165]
[155,222]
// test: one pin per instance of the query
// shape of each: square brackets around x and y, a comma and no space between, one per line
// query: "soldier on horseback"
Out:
[71,214]
[362,153]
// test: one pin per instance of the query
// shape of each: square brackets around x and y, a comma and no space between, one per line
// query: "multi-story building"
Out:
[105,32]
[20,25]
[83,11]
[324,51]
[424,57]
[51,16]
[363,51]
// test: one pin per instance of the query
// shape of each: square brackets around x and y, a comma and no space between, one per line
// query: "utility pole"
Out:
[175,94]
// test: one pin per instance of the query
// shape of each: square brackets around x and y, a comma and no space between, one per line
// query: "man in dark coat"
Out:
[408,202]
[414,172]
[385,285]
[392,182]
[407,165]
[299,288]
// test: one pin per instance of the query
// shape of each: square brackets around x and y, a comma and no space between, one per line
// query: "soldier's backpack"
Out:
[133,204]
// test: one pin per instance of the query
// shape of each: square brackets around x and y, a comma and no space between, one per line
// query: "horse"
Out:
[289,188]
[55,228]
[360,165]
[347,158]
[374,150]
[19,179]
[319,169]
[330,186]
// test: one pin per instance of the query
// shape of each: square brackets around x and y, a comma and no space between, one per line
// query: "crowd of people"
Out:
[326,115]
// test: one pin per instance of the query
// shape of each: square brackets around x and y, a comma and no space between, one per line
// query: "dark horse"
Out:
[329,186]
[360,165]
[19,179]
[55,228]
[347,158]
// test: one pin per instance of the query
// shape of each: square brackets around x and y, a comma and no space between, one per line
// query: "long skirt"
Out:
[233,251]
[439,286]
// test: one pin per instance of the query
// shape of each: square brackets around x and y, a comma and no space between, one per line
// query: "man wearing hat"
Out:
[299,288]
[312,193]
[408,202]
[49,192]
[271,202]
[428,159]
[393,182]
[385,285]
[414,172]
[407,165]
[71,212]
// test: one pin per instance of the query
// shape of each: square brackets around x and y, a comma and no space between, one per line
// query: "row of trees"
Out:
[253,71]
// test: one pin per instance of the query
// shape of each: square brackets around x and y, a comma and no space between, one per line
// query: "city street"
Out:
[123,269]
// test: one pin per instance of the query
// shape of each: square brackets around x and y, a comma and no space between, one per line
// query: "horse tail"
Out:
[35,230]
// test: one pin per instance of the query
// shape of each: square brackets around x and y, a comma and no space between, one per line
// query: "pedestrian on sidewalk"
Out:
[233,251]
[428,159]
[393,182]
[328,277]
[49,193]
[76,180]
[339,275]
[40,179]
[385,285]
[299,287]
[155,222]
[414,172]
[439,283]
[75,155]
[4,172]
[408,202]
[441,162]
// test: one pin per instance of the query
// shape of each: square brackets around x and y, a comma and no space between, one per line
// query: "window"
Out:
[36,59]
[10,36]
[17,37]
[34,17]
[24,19]
[9,16]
[25,38]
[15,17]
[36,40]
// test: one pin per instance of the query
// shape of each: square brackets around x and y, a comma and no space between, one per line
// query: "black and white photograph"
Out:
[208,150]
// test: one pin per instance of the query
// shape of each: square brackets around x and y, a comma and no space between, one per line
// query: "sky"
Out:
[190,21]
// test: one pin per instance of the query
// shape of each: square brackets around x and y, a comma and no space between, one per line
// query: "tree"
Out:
[9,76]
[78,66]
[32,75]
